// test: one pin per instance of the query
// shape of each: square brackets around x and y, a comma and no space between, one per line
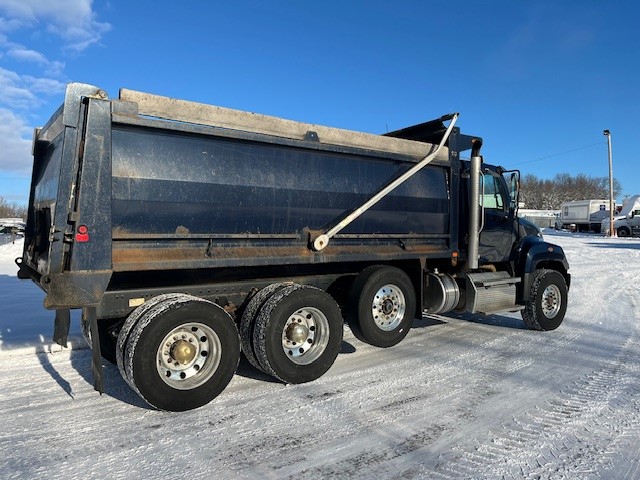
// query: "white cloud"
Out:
[14,91]
[21,94]
[19,52]
[24,91]
[73,20]
[9,24]
[15,143]
[18,10]
[48,86]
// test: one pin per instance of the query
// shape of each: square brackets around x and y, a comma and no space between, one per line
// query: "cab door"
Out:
[498,232]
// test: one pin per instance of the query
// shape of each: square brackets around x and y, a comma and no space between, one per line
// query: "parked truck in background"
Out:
[583,215]
[11,229]
[626,223]
[187,233]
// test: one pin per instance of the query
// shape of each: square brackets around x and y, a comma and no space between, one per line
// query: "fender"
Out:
[533,253]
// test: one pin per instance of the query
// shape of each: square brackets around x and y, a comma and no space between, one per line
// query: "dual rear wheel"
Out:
[291,332]
[178,352]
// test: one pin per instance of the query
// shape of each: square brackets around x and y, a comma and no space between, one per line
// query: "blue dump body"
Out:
[193,197]
[188,201]
[172,183]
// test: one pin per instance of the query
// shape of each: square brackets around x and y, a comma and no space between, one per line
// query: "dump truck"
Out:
[189,234]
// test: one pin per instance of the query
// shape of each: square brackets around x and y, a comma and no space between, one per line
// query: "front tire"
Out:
[624,232]
[547,303]
[181,353]
[382,305]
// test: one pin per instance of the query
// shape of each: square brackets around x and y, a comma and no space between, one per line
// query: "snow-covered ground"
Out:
[460,397]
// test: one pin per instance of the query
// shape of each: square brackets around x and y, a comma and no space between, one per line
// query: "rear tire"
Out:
[130,322]
[247,322]
[298,333]
[547,303]
[181,353]
[382,305]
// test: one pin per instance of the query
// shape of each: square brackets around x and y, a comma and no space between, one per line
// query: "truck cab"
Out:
[629,225]
[501,229]
[627,222]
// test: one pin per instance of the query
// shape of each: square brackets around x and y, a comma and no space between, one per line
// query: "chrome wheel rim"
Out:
[188,356]
[388,307]
[551,301]
[305,335]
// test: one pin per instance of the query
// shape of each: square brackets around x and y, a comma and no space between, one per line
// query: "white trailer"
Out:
[583,215]
[10,222]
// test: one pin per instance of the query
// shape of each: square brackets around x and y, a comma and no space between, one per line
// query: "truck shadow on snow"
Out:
[48,367]
[245,369]
[26,325]
[503,321]
[623,246]
[116,387]
[114,384]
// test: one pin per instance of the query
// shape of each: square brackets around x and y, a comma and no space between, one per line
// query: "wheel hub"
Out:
[388,307]
[551,301]
[297,333]
[188,355]
[305,335]
[183,352]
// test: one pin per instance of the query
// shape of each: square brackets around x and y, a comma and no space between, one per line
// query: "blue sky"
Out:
[539,80]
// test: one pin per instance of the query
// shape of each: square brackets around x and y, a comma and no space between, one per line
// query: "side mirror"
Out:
[514,180]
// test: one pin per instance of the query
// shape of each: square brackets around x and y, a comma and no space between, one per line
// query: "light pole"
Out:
[607,134]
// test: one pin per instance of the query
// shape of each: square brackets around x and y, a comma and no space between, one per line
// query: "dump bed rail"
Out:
[211,115]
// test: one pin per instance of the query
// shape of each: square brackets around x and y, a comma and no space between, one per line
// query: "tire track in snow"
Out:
[361,394]
[357,465]
[402,402]
[575,434]
[383,405]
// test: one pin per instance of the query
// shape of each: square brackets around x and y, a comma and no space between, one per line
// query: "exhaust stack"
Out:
[474,207]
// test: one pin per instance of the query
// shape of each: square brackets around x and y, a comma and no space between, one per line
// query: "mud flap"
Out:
[61,326]
[89,316]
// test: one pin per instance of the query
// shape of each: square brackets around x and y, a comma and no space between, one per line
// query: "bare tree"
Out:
[550,194]
[12,210]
